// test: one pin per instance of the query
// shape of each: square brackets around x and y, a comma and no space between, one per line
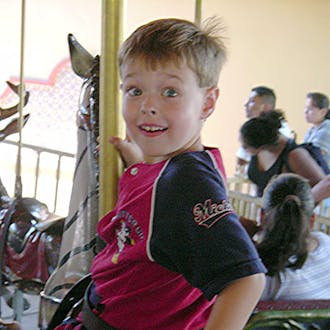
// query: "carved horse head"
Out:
[88,68]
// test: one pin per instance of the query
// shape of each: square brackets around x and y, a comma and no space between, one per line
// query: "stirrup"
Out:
[73,296]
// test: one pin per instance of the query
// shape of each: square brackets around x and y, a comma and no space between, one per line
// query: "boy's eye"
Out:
[170,92]
[134,91]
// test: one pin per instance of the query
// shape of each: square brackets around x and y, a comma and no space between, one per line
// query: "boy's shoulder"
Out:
[200,166]
[193,175]
[210,158]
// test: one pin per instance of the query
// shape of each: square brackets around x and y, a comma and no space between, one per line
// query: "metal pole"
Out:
[18,183]
[198,11]
[112,13]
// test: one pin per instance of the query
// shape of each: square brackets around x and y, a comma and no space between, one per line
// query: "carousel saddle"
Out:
[30,215]
[30,240]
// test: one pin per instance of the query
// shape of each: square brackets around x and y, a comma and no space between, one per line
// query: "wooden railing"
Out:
[240,193]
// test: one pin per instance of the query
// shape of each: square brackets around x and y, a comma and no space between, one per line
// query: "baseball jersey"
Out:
[173,243]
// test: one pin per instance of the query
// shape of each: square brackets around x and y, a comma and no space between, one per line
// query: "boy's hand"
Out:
[129,151]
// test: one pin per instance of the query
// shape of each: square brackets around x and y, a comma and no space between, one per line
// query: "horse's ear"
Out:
[81,59]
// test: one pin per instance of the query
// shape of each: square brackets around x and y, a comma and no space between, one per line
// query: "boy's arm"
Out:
[235,303]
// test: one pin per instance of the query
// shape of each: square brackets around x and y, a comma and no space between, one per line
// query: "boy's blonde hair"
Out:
[180,41]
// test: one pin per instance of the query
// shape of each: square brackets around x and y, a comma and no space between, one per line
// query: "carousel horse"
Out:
[30,235]
[79,235]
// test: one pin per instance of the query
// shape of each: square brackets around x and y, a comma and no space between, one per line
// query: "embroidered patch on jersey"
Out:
[207,213]
[124,233]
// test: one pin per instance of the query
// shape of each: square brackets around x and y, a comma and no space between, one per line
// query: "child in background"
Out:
[176,255]
[297,259]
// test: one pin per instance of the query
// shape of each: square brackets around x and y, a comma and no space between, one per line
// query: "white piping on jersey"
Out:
[218,170]
[152,208]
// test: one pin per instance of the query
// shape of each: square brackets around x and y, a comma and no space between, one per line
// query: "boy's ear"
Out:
[211,97]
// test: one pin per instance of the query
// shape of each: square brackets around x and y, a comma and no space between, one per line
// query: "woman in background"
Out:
[273,153]
[317,113]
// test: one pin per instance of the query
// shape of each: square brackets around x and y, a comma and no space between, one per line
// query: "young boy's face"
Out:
[164,108]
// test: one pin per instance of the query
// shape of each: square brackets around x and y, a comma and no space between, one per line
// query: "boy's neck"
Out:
[157,159]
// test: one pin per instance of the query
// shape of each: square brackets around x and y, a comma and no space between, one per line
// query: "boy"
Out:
[176,256]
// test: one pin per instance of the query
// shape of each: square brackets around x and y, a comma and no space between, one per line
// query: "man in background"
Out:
[261,99]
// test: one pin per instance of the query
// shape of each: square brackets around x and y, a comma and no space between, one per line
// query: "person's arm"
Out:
[322,189]
[302,163]
[235,303]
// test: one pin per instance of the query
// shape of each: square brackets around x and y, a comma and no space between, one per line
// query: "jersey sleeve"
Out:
[195,231]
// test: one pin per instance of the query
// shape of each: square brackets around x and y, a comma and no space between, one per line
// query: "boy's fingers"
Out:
[118,143]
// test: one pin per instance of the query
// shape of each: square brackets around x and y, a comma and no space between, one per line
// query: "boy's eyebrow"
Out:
[168,75]
[171,76]
[129,75]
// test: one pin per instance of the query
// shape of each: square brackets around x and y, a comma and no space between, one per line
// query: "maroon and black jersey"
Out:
[173,243]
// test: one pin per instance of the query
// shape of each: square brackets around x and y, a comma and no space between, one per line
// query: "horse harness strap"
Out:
[89,319]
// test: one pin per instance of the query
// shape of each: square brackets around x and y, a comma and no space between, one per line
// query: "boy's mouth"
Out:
[152,128]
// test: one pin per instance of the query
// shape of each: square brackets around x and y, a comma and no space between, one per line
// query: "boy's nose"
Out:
[148,106]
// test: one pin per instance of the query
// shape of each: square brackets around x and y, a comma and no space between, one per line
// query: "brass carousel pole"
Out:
[112,13]
[198,11]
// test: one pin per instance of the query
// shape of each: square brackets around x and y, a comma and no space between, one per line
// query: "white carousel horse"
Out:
[79,235]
